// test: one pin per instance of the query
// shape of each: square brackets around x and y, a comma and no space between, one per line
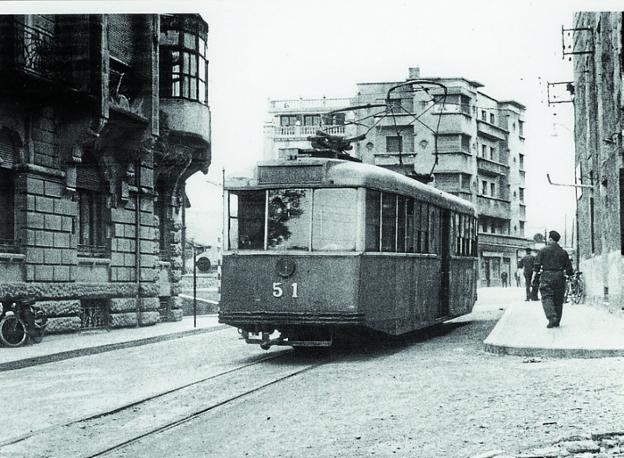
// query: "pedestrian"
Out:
[517,277]
[526,264]
[504,279]
[553,261]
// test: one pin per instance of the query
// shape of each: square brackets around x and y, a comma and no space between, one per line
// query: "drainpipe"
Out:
[137,238]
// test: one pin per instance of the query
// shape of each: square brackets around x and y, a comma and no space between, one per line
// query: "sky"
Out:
[279,49]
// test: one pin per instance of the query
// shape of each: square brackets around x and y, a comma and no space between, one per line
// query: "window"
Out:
[484,151]
[91,237]
[521,192]
[311,120]
[401,223]
[7,210]
[493,189]
[335,119]
[160,209]
[521,228]
[521,160]
[92,213]
[394,104]
[483,115]
[388,222]
[334,219]
[183,59]
[288,120]
[293,220]
[521,128]
[492,118]
[373,227]
[492,153]
[394,143]
[484,187]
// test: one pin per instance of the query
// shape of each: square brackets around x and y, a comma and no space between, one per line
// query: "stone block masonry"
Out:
[47,229]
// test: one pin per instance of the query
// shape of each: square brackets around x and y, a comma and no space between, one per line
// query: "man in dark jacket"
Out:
[526,264]
[553,261]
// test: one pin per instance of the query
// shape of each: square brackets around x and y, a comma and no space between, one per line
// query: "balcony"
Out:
[282,133]
[488,167]
[491,131]
[298,105]
[187,117]
[38,52]
[491,206]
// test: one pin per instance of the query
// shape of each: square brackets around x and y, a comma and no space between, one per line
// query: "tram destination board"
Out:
[288,174]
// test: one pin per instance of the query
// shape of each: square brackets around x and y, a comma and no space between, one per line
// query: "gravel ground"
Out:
[442,396]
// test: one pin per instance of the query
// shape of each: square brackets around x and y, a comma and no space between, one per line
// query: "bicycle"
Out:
[20,321]
[575,288]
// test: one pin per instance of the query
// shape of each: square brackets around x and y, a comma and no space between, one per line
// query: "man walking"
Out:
[553,261]
[526,264]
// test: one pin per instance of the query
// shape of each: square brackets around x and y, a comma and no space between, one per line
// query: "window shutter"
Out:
[88,177]
[7,150]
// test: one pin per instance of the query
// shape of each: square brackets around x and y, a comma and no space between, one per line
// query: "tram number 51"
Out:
[278,290]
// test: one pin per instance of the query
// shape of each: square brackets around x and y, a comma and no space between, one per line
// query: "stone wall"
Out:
[598,126]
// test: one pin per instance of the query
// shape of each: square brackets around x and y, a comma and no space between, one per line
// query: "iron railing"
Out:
[93,314]
[37,51]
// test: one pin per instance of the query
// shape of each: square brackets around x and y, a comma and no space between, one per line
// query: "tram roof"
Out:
[341,173]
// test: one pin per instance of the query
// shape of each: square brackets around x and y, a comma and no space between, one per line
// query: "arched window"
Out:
[183,59]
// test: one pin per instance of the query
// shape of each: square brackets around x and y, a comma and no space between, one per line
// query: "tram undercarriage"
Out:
[293,337]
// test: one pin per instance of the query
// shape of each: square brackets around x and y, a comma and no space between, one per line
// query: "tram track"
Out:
[128,422]
[138,402]
[197,414]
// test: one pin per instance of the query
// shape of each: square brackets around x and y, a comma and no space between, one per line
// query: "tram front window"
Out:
[334,222]
[289,219]
[296,219]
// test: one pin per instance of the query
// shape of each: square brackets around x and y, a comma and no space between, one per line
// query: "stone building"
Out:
[598,104]
[102,119]
[480,153]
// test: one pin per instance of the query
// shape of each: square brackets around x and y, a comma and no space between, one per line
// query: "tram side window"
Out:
[424,229]
[246,229]
[434,226]
[410,245]
[457,234]
[401,218]
[373,202]
[388,221]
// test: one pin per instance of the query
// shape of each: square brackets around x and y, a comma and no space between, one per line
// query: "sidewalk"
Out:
[65,346]
[585,332]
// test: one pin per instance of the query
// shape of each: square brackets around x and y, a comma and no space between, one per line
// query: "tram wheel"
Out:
[12,331]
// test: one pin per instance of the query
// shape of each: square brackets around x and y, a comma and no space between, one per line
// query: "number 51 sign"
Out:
[278,290]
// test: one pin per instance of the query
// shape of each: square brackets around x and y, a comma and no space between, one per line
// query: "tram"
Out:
[317,246]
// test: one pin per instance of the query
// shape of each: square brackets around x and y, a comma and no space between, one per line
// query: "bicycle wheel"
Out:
[12,331]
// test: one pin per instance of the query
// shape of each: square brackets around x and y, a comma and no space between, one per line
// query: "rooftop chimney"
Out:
[414,73]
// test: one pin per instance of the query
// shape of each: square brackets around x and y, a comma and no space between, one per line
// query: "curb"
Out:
[552,352]
[87,351]
[503,349]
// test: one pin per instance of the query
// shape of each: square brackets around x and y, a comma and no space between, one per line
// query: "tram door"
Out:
[445,267]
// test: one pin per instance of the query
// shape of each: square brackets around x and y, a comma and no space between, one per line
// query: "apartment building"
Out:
[102,119]
[470,143]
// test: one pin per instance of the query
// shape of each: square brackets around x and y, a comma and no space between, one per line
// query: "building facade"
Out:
[598,105]
[291,122]
[472,145]
[102,119]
